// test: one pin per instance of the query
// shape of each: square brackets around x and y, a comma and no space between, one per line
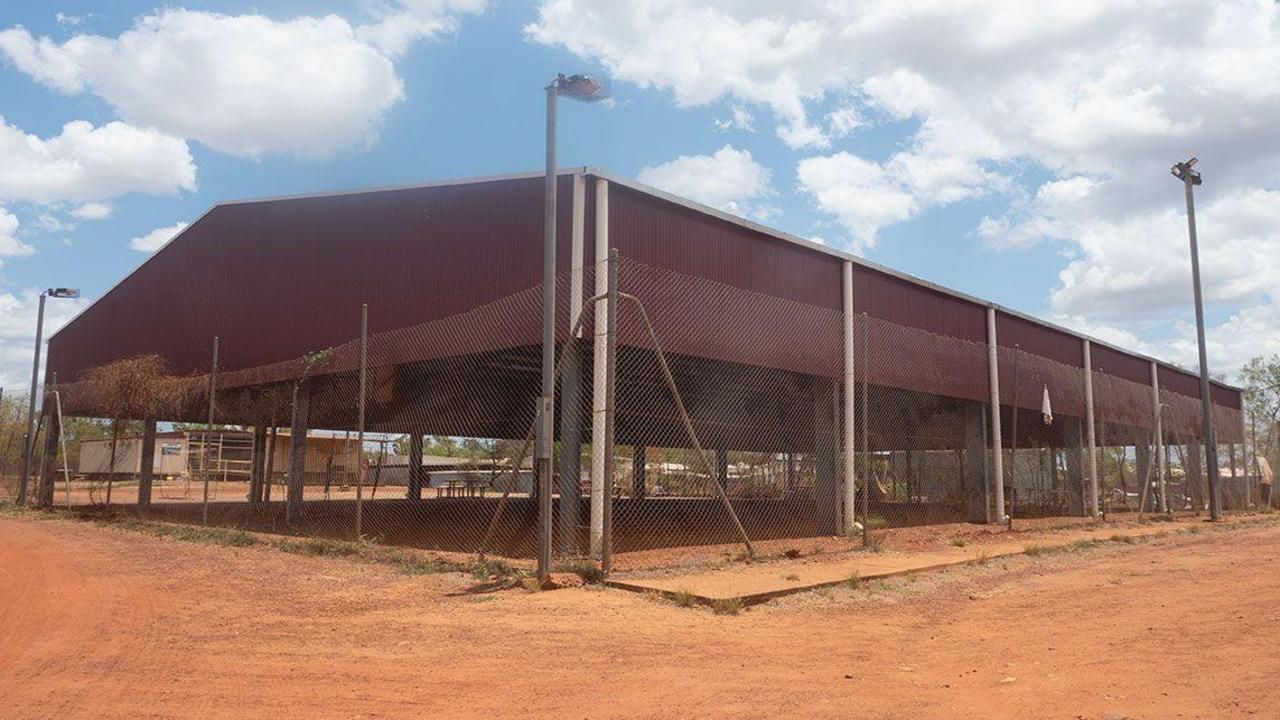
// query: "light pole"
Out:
[28,442]
[586,89]
[1185,171]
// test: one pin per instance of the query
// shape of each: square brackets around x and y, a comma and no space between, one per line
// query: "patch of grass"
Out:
[983,557]
[854,581]
[492,568]
[1265,509]
[584,568]
[1083,544]
[877,542]
[531,584]
[886,586]
[684,598]
[959,542]
[1037,550]
[317,547]
[1127,539]
[876,522]
[727,606]
[225,537]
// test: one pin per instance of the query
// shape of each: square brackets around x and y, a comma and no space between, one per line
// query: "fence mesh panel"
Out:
[731,429]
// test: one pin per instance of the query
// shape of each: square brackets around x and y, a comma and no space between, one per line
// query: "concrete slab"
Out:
[757,583]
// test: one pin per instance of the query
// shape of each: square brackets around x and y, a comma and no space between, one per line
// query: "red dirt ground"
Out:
[106,623]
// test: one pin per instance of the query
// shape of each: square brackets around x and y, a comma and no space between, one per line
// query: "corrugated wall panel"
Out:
[663,234]
[903,302]
[278,279]
[1039,340]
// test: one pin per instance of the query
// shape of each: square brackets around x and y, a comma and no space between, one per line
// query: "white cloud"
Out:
[18,331]
[245,85]
[93,211]
[702,51]
[84,163]
[1098,98]
[729,179]
[860,193]
[66,20]
[739,118]
[397,25]
[10,245]
[156,239]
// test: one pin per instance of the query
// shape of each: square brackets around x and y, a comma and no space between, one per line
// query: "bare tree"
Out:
[137,388]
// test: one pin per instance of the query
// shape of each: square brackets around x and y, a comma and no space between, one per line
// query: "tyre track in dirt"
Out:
[104,623]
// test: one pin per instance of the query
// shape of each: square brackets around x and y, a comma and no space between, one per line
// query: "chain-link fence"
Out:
[710,416]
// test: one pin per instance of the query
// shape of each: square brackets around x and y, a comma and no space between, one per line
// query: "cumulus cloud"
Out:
[10,245]
[729,179]
[397,25]
[245,85]
[739,118]
[87,163]
[760,53]
[18,331]
[156,239]
[93,211]
[1070,112]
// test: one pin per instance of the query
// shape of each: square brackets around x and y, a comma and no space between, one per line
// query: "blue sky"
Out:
[854,126]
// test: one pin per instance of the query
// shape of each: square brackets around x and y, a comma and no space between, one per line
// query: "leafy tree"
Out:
[1262,401]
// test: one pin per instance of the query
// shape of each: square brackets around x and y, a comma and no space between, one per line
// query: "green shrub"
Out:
[727,606]
[684,598]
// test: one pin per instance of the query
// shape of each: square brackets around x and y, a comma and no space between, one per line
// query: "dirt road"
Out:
[102,623]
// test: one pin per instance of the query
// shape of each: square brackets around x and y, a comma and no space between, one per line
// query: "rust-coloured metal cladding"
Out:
[906,303]
[1121,365]
[1039,340]
[659,233]
[280,278]
[276,279]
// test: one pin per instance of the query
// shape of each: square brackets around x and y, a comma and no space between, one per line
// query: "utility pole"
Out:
[586,89]
[29,441]
[1185,171]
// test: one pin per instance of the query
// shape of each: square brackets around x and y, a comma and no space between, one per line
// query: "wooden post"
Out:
[147,463]
[977,505]
[255,462]
[638,487]
[414,490]
[298,451]
[271,463]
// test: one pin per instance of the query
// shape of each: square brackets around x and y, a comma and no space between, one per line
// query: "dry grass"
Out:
[727,606]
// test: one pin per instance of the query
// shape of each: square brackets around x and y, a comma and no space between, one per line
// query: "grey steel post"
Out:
[28,442]
[546,404]
[1013,430]
[598,355]
[997,445]
[62,438]
[610,413]
[1090,431]
[208,432]
[1190,177]
[850,406]
[1158,424]
[364,362]
[866,432]
[1244,460]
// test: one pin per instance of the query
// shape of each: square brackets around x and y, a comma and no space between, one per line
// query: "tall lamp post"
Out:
[585,89]
[28,442]
[1185,171]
